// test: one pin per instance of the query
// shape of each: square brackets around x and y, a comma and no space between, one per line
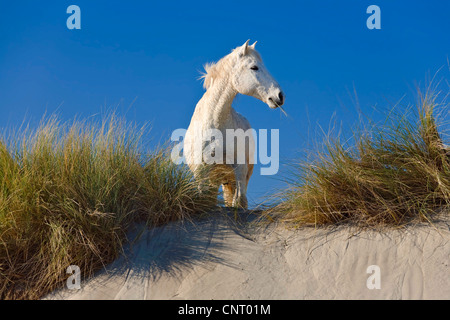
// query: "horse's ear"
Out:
[253,45]
[243,49]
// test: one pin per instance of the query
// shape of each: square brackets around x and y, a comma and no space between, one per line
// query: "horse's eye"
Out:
[254,68]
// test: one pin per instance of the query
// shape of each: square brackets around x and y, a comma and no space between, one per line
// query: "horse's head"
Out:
[250,77]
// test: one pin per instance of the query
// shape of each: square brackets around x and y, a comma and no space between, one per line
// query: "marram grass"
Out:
[390,175]
[70,192]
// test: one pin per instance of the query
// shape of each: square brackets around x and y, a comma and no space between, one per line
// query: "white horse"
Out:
[241,71]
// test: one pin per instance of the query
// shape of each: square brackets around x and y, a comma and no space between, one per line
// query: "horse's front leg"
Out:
[240,195]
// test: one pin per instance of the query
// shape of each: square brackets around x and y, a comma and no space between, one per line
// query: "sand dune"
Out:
[218,258]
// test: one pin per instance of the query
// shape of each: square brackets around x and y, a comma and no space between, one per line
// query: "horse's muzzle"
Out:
[277,101]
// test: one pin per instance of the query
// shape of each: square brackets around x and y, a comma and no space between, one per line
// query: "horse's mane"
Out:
[214,70]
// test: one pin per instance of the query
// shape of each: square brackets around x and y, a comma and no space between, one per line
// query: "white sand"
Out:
[215,259]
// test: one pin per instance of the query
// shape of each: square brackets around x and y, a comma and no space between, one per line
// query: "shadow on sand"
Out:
[182,245]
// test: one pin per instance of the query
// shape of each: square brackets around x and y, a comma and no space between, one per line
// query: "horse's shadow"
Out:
[177,247]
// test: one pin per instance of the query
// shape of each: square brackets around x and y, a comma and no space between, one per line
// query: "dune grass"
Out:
[70,192]
[388,175]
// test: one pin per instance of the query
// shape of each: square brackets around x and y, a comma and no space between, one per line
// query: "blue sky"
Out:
[144,58]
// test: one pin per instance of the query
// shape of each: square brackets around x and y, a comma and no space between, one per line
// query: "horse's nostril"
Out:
[281,96]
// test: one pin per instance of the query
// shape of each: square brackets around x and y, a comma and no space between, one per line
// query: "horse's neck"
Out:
[216,102]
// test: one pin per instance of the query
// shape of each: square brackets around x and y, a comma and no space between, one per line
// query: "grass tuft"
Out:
[69,194]
[390,175]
